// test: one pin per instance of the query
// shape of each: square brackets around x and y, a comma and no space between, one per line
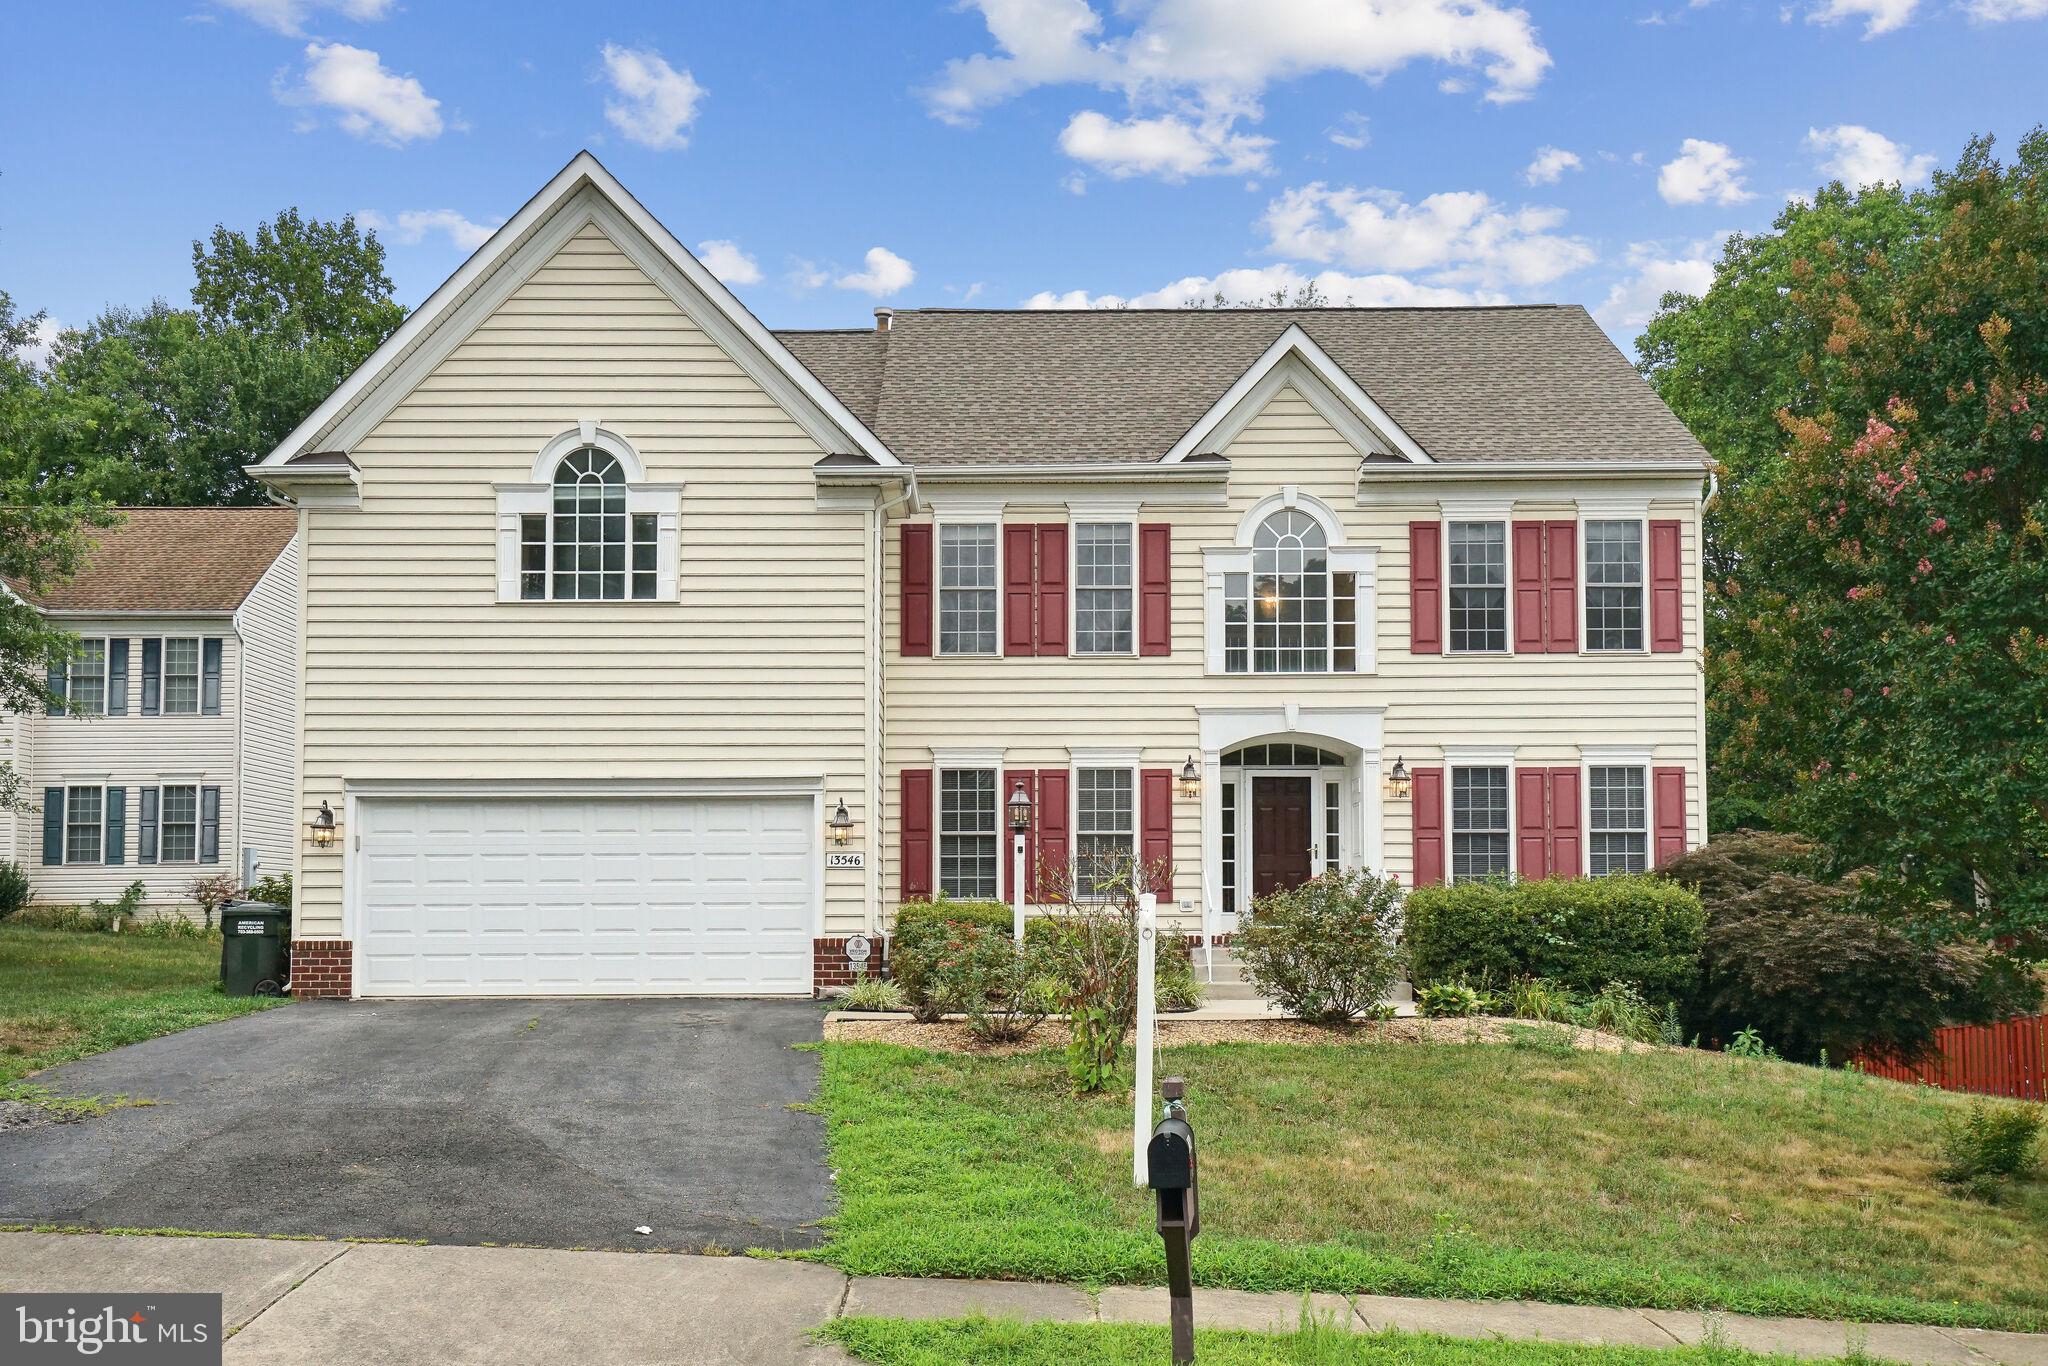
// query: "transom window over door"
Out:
[1479,823]
[967,833]
[1293,613]
[588,547]
[1104,595]
[1105,827]
[1479,586]
[1619,832]
[967,589]
[1614,585]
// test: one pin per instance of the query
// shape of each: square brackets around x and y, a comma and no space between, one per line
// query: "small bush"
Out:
[1992,1145]
[1747,1043]
[997,985]
[1449,1000]
[14,888]
[276,890]
[1620,1009]
[210,892]
[926,931]
[1325,951]
[873,993]
[1579,933]
[1539,998]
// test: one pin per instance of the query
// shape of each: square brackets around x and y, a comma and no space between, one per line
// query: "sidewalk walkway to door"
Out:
[289,1301]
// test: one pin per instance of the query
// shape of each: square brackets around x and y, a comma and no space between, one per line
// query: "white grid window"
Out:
[967,833]
[967,589]
[1230,847]
[1479,586]
[1479,823]
[1619,832]
[589,548]
[1614,585]
[85,686]
[84,813]
[179,819]
[1105,826]
[1103,589]
[181,677]
[1333,826]
[1292,613]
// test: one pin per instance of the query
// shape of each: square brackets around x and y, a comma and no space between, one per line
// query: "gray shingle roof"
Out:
[950,387]
[173,560]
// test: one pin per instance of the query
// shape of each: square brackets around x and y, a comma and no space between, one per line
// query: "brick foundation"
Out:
[323,967]
[830,970]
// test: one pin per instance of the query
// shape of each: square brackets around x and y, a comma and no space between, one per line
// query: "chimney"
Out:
[883,317]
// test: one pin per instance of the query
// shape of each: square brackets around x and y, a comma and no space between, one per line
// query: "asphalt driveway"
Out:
[550,1123]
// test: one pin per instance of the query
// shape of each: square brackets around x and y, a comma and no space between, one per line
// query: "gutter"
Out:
[1145,472]
[1524,469]
[878,527]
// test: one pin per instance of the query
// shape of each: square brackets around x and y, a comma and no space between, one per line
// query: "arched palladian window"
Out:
[1292,612]
[589,528]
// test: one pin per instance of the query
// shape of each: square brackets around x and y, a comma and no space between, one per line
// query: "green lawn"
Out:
[1672,1179]
[65,994]
[994,1342]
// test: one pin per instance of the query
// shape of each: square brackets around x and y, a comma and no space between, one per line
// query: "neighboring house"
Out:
[614,596]
[175,749]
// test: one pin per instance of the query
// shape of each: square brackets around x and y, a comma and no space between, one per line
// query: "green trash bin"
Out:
[252,948]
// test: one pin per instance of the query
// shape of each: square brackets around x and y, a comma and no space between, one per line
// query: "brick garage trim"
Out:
[323,968]
[830,970]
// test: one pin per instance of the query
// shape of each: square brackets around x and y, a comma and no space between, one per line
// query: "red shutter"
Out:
[1532,823]
[915,820]
[1669,800]
[1426,593]
[1010,780]
[1019,588]
[916,626]
[1155,824]
[1052,589]
[1429,821]
[1055,850]
[1667,589]
[1561,546]
[1155,589]
[1567,843]
[1531,638]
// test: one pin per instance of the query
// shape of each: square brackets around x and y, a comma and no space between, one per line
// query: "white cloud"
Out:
[1260,284]
[1878,16]
[1998,11]
[1550,165]
[725,260]
[1457,239]
[372,102]
[1351,131]
[886,273]
[1654,272]
[1208,64]
[1168,147]
[412,226]
[1856,156]
[656,103]
[1701,173]
[290,16]
[43,340]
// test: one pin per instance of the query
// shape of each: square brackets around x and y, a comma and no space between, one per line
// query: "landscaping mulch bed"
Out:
[951,1036]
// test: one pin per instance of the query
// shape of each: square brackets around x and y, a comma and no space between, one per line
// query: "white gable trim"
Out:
[518,249]
[1295,359]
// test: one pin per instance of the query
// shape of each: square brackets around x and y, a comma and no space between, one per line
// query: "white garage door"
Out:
[664,896]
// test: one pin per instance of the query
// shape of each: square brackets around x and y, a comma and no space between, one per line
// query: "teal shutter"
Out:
[209,676]
[152,677]
[117,825]
[53,827]
[209,825]
[53,681]
[145,831]
[117,678]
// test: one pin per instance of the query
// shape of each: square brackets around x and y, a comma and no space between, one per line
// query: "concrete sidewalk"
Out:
[368,1304]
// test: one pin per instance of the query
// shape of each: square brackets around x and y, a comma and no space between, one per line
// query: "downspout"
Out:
[878,524]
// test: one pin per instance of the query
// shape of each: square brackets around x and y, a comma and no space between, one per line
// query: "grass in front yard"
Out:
[1673,1179]
[65,994]
[998,1342]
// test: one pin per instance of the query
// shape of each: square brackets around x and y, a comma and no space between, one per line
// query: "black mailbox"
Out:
[1174,1176]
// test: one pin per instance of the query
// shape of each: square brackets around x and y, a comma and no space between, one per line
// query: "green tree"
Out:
[1880,679]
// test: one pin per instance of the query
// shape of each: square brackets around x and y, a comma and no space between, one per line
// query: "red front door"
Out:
[1281,837]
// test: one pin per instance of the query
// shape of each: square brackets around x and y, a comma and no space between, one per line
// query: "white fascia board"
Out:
[752,345]
[1298,345]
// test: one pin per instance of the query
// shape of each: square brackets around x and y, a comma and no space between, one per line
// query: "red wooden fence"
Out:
[2005,1059]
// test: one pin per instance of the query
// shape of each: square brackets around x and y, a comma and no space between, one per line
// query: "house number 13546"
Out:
[845,858]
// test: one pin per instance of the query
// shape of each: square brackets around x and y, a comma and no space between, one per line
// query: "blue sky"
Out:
[999,152]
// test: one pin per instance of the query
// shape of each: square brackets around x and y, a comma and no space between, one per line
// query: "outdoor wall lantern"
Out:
[841,824]
[1398,781]
[1190,779]
[321,829]
[1020,810]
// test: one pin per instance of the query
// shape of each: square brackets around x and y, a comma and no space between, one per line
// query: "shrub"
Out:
[1579,933]
[873,993]
[1449,1000]
[1174,984]
[1092,961]
[1326,950]
[276,890]
[925,932]
[211,892]
[1000,987]
[1538,998]
[1992,1145]
[1620,1009]
[14,888]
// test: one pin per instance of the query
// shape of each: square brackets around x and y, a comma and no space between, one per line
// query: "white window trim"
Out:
[1361,561]
[1466,510]
[163,675]
[1477,756]
[1617,756]
[965,511]
[198,818]
[536,498]
[96,784]
[106,644]
[1080,515]
[967,760]
[1126,760]
[1635,510]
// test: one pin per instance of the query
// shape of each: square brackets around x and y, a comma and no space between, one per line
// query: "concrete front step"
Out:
[1223,979]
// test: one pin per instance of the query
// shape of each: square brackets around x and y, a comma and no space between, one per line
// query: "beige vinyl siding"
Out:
[1544,705]
[266,703]
[132,752]
[17,748]
[414,670]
